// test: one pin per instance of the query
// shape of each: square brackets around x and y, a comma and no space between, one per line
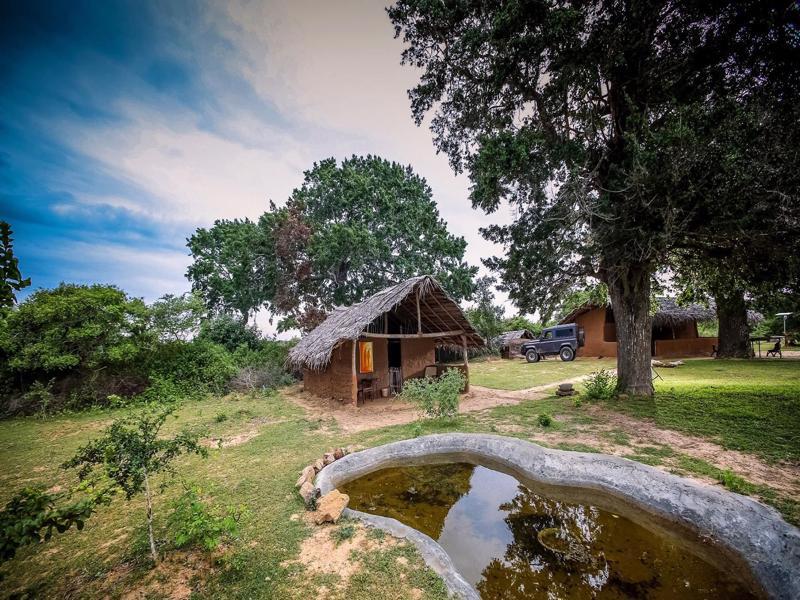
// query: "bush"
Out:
[231,333]
[601,385]
[196,365]
[436,397]
[544,420]
[195,524]
[263,369]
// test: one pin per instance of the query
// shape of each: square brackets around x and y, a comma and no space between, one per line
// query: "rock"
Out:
[565,387]
[328,458]
[330,507]
[306,474]
[657,363]
[338,453]
[318,464]
[309,493]
[561,392]
[351,448]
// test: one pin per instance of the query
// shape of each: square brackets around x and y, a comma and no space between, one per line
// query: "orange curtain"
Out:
[365,357]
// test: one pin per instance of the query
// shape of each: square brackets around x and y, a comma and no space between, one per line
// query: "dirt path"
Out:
[390,411]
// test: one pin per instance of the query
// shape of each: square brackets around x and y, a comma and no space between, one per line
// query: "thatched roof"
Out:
[669,313]
[438,311]
[516,334]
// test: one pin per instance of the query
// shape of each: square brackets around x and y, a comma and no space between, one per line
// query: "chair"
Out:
[366,390]
[776,350]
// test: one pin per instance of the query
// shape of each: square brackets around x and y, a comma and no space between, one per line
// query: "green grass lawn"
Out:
[750,405]
[517,374]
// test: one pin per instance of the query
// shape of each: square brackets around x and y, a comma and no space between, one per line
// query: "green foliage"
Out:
[231,333]
[596,294]
[349,230]
[601,385]
[486,317]
[176,318]
[220,417]
[11,279]
[344,532]
[578,115]
[232,267]
[194,523]
[519,322]
[130,452]
[544,420]
[436,397]
[74,327]
[196,366]
[31,516]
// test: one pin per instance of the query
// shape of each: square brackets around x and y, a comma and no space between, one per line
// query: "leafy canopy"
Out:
[74,327]
[11,279]
[350,230]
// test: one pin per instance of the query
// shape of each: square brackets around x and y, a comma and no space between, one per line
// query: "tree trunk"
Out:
[629,290]
[153,552]
[734,332]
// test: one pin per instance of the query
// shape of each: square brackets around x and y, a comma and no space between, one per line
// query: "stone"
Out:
[318,464]
[309,493]
[565,387]
[767,545]
[560,392]
[330,507]
[306,474]
[328,458]
[338,453]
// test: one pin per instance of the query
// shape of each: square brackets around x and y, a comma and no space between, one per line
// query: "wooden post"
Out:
[466,361]
[419,316]
[354,389]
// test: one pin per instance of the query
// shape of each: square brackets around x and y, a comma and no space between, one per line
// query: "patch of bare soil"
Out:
[321,555]
[383,412]
[782,477]
[243,437]
[177,577]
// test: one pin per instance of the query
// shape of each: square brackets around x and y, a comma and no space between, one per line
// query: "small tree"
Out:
[131,453]
[10,278]
[176,318]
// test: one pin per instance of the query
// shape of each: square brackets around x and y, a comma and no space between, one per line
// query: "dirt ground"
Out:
[390,411]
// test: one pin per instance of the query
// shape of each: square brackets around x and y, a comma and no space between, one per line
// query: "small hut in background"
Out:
[510,342]
[361,351]
[674,330]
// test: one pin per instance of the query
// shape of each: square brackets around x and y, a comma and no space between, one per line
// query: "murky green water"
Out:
[513,543]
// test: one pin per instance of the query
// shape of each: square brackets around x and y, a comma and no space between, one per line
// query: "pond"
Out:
[512,542]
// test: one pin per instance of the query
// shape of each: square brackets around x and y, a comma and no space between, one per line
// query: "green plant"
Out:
[416,430]
[544,420]
[436,397]
[32,514]
[220,417]
[40,396]
[343,533]
[194,523]
[130,452]
[601,385]
[10,278]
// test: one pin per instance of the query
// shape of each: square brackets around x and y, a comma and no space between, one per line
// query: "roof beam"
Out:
[440,334]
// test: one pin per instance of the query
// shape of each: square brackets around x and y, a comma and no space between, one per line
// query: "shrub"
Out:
[436,397]
[195,365]
[601,385]
[544,420]
[229,332]
[196,524]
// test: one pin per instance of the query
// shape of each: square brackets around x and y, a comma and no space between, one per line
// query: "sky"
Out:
[124,126]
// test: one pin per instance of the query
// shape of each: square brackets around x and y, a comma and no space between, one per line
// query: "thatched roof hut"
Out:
[404,324]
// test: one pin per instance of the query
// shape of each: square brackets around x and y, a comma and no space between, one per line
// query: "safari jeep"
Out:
[563,340]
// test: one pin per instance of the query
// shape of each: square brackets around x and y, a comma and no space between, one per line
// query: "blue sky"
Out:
[126,125]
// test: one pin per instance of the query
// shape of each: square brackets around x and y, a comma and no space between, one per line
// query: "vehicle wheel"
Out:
[532,356]
[567,354]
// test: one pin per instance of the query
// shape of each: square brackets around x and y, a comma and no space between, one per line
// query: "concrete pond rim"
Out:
[751,535]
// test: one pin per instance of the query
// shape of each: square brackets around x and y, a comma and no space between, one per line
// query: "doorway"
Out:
[395,356]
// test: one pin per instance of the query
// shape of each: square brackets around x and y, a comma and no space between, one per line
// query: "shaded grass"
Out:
[753,406]
[517,374]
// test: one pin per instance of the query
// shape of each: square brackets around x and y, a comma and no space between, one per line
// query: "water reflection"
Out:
[513,543]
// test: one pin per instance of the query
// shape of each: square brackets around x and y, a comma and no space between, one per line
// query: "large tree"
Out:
[560,107]
[350,230]
[233,267]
